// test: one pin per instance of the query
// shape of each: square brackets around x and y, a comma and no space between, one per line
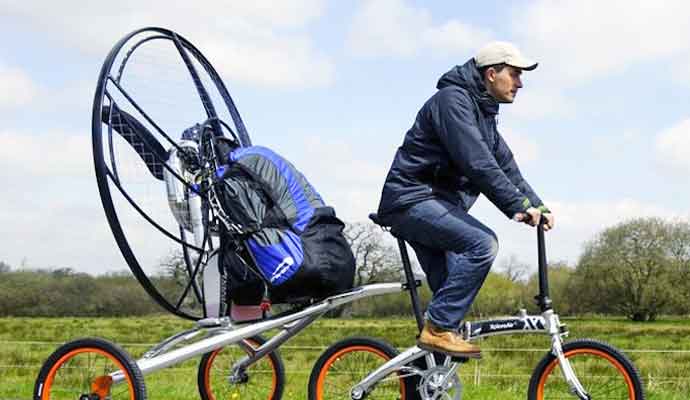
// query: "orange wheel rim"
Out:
[327,365]
[51,374]
[568,354]
[207,371]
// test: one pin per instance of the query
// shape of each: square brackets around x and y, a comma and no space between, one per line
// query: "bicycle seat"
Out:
[375,218]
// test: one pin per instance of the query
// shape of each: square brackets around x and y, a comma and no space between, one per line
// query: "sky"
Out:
[601,128]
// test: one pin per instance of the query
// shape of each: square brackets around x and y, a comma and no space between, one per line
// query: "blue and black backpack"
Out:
[294,241]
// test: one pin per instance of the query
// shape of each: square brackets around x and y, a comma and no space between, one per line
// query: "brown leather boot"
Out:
[451,343]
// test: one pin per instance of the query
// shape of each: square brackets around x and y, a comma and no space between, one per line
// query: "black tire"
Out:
[369,353]
[212,377]
[85,361]
[603,371]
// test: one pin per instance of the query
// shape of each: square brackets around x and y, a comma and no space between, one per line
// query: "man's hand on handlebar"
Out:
[532,215]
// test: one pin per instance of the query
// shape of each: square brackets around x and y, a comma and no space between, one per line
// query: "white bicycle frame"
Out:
[547,323]
[221,332]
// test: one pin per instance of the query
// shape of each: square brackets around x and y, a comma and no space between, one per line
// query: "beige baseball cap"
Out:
[503,53]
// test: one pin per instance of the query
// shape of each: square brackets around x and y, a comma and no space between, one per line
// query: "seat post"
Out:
[411,284]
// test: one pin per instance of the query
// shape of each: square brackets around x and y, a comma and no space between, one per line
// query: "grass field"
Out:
[661,351]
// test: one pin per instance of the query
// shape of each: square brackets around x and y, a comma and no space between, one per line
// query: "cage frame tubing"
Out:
[288,331]
[243,331]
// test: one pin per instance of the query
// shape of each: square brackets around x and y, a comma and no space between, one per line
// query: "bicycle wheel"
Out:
[603,371]
[347,362]
[265,379]
[80,370]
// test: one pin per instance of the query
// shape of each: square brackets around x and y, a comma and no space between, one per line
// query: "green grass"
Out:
[25,343]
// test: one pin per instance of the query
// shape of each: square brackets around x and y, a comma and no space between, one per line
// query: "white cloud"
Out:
[45,155]
[391,27]
[259,42]
[50,202]
[274,62]
[580,222]
[535,103]
[684,76]
[348,180]
[525,150]
[576,224]
[673,146]
[606,145]
[52,212]
[18,89]
[593,216]
[576,41]
[454,37]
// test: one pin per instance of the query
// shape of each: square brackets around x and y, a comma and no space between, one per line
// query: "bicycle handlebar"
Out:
[527,218]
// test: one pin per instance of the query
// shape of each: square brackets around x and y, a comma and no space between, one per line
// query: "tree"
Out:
[561,291]
[679,247]
[4,267]
[175,278]
[376,261]
[634,268]
[498,295]
[173,266]
[513,269]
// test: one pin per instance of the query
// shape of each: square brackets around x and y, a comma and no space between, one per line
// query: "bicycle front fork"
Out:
[553,327]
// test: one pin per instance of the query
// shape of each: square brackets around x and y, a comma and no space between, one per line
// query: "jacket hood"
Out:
[467,77]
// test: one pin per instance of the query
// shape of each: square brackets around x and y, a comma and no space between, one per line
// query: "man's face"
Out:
[504,85]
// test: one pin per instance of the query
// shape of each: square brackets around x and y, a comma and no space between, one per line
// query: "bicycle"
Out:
[235,358]
[582,369]
[382,371]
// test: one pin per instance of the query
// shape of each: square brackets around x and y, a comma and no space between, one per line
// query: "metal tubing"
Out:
[411,284]
[274,342]
[543,299]
[149,365]
[567,370]
[506,326]
[212,343]
[391,366]
[173,341]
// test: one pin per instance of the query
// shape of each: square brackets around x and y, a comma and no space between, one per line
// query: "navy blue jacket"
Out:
[454,152]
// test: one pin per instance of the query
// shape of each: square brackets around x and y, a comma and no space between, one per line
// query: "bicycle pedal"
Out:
[460,360]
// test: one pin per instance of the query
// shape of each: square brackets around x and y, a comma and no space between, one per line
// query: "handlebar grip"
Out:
[528,218]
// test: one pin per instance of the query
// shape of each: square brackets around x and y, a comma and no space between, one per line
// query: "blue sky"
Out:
[601,129]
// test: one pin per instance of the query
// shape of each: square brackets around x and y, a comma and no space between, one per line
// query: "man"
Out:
[452,153]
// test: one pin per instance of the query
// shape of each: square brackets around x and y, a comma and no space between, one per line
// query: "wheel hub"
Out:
[440,383]
[238,377]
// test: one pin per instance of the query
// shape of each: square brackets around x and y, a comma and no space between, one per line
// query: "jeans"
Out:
[455,251]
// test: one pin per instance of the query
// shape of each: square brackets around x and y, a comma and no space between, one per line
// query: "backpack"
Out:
[293,243]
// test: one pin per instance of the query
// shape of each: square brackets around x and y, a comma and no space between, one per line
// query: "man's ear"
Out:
[490,75]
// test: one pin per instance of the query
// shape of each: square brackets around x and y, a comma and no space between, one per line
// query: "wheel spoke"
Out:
[82,367]
[218,378]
